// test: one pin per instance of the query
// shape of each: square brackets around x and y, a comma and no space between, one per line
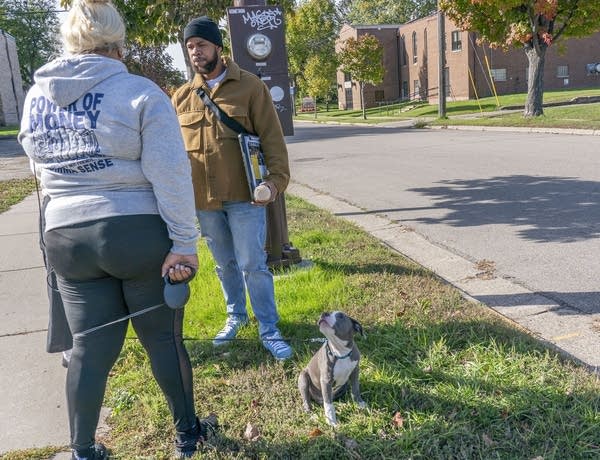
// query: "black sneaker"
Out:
[186,443]
[95,452]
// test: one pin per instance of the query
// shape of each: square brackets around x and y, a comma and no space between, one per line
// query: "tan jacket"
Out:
[217,169]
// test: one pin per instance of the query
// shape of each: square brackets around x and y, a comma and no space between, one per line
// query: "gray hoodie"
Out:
[107,143]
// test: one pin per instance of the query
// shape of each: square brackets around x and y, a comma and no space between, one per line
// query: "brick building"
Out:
[411,61]
[11,85]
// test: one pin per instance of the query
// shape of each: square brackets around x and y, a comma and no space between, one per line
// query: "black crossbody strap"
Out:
[222,116]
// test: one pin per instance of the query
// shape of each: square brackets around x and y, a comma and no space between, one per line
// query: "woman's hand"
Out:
[179,267]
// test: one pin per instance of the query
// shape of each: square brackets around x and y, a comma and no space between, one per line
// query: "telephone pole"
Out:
[441,63]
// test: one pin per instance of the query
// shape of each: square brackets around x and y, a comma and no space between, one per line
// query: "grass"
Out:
[14,190]
[444,378]
[585,116]
[573,116]
[9,131]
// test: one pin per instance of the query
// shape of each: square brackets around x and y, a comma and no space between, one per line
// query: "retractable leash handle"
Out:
[175,293]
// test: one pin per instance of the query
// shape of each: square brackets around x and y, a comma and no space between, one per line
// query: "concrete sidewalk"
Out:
[32,401]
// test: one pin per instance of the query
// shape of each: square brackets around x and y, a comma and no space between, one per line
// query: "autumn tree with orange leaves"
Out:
[533,25]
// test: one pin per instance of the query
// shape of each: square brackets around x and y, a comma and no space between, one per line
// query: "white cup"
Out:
[262,193]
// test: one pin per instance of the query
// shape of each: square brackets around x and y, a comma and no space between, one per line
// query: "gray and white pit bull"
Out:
[334,366]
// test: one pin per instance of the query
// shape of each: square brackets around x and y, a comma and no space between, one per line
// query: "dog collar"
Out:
[330,352]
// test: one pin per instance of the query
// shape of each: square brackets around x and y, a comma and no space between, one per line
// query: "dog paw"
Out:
[361,404]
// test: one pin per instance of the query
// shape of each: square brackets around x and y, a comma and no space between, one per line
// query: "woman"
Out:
[107,147]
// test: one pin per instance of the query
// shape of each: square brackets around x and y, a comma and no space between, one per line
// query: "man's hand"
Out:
[265,193]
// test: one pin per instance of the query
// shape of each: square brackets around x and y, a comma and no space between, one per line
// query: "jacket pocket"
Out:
[239,114]
[190,123]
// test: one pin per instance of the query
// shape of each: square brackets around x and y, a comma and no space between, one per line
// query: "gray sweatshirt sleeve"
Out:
[166,166]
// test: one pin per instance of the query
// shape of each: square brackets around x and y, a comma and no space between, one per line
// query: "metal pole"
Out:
[442,64]
[280,252]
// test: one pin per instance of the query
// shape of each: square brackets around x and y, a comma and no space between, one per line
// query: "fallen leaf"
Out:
[251,433]
[314,433]
[398,420]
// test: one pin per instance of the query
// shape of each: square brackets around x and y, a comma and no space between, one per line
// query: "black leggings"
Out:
[59,336]
[108,269]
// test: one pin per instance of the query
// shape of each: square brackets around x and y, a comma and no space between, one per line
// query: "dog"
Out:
[334,366]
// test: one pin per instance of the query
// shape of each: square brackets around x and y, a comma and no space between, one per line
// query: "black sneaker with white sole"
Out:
[186,443]
[95,452]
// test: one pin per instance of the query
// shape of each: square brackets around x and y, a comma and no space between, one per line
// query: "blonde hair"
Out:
[91,26]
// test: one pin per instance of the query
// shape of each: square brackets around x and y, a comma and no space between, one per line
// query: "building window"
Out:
[456,42]
[498,74]
[414,48]
[347,76]
[349,99]
[379,95]
[562,71]
[403,54]
[405,90]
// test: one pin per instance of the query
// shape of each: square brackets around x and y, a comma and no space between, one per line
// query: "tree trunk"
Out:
[534,104]
[362,100]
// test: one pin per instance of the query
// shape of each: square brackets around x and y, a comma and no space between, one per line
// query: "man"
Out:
[233,224]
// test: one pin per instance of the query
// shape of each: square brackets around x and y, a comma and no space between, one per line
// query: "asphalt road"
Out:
[526,206]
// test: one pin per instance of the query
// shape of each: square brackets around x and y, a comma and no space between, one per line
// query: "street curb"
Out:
[518,129]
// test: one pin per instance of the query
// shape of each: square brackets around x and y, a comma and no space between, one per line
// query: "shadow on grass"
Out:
[464,389]
[372,268]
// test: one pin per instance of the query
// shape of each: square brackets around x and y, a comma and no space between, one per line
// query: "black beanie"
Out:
[203,27]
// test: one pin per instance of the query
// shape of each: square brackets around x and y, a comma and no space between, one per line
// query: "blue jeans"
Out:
[236,236]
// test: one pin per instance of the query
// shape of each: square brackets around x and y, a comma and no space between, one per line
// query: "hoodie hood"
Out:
[66,79]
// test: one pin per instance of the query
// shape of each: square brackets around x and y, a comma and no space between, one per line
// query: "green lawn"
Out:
[13,191]
[582,116]
[9,130]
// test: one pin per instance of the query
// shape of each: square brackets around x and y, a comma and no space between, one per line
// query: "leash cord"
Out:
[124,318]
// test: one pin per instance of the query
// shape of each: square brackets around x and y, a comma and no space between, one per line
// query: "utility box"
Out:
[258,45]
[257,34]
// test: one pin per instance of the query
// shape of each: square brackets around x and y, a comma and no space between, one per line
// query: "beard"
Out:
[208,64]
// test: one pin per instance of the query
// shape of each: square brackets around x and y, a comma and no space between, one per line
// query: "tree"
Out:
[363,59]
[533,24]
[152,62]
[386,11]
[156,23]
[311,30]
[34,25]
[162,22]
[320,76]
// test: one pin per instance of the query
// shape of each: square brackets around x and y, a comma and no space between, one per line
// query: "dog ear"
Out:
[357,327]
